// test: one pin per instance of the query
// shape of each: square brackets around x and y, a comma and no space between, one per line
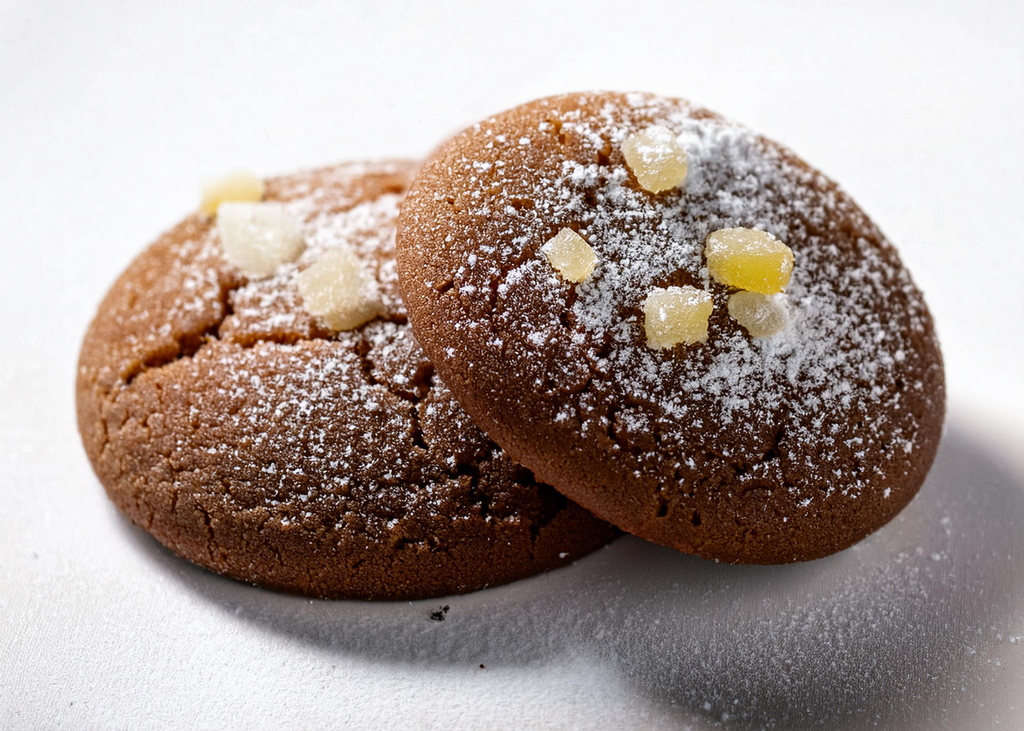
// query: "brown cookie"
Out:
[738,448]
[247,437]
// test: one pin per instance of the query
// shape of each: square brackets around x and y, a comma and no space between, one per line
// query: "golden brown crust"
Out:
[230,425]
[738,450]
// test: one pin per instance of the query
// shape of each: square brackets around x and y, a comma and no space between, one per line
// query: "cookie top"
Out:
[738,448]
[247,436]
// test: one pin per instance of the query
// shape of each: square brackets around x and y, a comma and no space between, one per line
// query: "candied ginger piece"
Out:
[239,186]
[259,237]
[570,255]
[338,290]
[656,158]
[674,315]
[749,259]
[761,315]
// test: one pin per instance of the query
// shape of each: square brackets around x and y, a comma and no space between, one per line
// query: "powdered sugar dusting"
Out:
[814,385]
[336,453]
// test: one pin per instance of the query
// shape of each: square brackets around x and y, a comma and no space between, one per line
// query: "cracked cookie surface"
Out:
[243,435]
[740,449]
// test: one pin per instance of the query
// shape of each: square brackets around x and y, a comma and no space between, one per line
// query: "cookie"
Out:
[267,444]
[676,322]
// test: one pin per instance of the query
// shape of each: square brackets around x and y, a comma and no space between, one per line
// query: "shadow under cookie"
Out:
[834,643]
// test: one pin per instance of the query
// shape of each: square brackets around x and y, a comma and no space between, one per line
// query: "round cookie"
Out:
[739,449]
[247,437]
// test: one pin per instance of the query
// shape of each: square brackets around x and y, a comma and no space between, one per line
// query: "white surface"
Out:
[112,113]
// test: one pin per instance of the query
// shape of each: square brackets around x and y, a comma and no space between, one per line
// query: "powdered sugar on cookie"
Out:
[252,437]
[812,407]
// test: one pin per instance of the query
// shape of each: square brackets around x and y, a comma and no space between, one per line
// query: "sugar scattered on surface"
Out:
[879,636]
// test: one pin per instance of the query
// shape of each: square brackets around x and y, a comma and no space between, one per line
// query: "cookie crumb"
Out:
[750,259]
[570,255]
[337,290]
[676,315]
[257,238]
[761,315]
[656,159]
[237,186]
[440,614]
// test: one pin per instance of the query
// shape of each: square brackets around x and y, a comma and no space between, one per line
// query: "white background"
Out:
[111,114]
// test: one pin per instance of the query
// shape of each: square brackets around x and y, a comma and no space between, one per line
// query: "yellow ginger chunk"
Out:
[656,159]
[762,315]
[339,291]
[570,255]
[674,315]
[238,186]
[259,237]
[749,259]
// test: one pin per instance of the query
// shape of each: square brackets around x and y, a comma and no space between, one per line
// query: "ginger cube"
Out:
[674,315]
[749,259]
[259,237]
[762,315]
[238,186]
[656,159]
[570,255]
[338,290]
